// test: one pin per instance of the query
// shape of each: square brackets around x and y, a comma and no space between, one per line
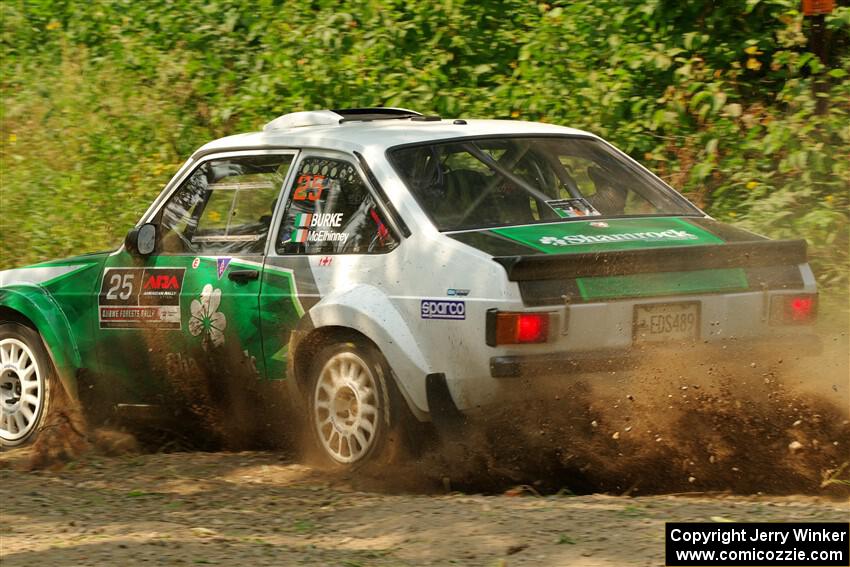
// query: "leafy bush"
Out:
[103,100]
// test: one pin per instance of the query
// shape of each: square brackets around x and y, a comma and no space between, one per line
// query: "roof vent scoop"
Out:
[374,113]
[302,119]
[338,116]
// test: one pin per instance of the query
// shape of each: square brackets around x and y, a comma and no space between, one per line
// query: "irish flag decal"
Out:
[303,220]
[300,234]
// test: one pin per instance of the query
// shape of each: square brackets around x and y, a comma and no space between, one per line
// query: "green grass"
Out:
[102,101]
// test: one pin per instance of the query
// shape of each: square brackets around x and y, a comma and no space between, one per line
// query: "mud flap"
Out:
[446,417]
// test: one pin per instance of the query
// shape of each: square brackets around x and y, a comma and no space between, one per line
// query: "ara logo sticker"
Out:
[162,282]
[442,309]
[221,265]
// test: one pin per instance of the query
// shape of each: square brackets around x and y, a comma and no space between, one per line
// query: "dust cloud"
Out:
[690,421]
[764,422]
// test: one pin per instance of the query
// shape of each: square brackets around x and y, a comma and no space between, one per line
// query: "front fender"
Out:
[367,310]
[36,304]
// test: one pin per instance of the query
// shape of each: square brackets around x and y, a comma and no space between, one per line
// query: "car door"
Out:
[329,212]
[177,324]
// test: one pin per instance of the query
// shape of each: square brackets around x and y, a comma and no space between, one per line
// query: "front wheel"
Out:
[26,373]
[354,409]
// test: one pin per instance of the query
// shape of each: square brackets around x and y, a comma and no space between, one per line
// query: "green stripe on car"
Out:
[665,283]
[610,235]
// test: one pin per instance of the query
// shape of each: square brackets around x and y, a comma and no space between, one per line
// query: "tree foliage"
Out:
[103,100]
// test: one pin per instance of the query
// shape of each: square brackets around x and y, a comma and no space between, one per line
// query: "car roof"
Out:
[366,136]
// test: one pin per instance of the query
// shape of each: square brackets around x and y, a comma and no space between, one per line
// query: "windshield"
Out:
[487,182]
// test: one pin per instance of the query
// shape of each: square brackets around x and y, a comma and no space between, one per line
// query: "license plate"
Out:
[658,322]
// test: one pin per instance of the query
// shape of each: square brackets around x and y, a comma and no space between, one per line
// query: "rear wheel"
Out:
[354,410]
[26,374]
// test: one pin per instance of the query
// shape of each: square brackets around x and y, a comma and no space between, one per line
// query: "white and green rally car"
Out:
[380,261]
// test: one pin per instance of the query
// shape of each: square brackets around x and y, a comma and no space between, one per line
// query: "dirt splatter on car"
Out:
[360,274]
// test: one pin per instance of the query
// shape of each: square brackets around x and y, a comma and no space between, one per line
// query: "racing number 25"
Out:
[120,286]
[309,188]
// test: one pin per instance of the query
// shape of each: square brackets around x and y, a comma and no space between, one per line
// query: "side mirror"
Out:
[141,241]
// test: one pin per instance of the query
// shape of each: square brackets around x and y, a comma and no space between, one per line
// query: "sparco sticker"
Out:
[131,298]
[443,309]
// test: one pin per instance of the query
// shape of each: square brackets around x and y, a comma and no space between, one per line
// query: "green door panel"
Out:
[181,317]
[281,309]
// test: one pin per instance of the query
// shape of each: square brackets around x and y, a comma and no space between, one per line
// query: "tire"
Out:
[26,379]
[355,414]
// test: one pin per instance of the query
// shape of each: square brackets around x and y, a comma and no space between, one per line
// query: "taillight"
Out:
[511,328]
[793,309]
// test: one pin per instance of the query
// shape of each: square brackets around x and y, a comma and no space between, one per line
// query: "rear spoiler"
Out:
[669,259]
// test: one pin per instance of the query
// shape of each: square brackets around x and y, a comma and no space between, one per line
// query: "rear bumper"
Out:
[559,363]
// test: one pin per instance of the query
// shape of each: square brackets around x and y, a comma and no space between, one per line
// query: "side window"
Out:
[224,207]
[331,211]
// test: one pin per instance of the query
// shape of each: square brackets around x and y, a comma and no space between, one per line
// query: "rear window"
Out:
[489,182]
